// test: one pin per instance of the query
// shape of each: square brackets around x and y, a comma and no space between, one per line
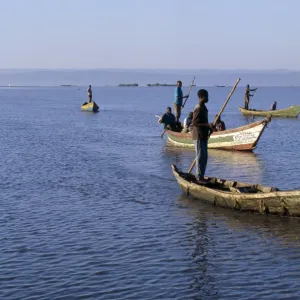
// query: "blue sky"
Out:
[186,34]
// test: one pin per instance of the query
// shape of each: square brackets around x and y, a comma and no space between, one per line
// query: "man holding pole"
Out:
[178,97]
[202,130]
[248,95]
[201,133]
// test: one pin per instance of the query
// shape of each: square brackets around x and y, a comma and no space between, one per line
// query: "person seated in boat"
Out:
[90,93]
[169,121]
[248,95]
[274,106]
[220,125]
[187,123]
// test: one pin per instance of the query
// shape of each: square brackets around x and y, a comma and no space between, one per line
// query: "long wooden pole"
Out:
[218,115]
[188,94]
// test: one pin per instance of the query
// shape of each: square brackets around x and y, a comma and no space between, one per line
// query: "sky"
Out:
[164,34]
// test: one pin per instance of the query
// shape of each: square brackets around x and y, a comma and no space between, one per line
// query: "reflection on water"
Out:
[280,230]
[235,164]
[244,250]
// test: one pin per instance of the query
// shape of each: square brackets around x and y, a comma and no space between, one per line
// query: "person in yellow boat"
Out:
[90,93]
[248,95]
[274,106]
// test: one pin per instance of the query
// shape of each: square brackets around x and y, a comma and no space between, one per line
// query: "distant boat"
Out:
[66,85]
[290,112]
[220,85]
[91,107]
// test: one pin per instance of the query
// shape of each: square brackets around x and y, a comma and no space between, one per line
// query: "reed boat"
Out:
[240,196]
[290,112]
[244,138]
[91,107]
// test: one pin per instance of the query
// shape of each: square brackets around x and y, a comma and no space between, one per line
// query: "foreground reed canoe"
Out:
[92,107]
[244,138]
[240,196]
[291,112]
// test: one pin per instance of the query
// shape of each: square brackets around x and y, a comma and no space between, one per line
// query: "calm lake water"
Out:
[89,208]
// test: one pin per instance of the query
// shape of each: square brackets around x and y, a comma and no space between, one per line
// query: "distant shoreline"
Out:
[140,86]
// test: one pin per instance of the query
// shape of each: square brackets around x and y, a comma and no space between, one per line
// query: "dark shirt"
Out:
[200,116]
[274,106]
[247,95]
[221,126]
[168,119]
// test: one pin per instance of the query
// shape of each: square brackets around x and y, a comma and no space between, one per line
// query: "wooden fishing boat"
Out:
[240,196]
[291,112]
[244,138]
[92,107]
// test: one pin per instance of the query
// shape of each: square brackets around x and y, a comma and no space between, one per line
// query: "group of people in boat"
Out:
[196,123]
[172,122]
[248,95]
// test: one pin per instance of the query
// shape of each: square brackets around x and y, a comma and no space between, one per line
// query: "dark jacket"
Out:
[200,117]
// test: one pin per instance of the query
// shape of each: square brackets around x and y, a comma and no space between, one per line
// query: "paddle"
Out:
[188,94]
[218,115]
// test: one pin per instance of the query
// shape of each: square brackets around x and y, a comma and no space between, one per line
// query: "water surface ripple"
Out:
[89,208]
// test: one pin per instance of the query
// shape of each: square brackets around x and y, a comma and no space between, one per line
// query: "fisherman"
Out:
[188,122]
[274,106]
[220,125]
[201,133]
[178,97]
[90,93]
[248,95]
[168,119]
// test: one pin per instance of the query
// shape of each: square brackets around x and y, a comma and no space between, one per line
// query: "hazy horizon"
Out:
[113,77]
[134,34]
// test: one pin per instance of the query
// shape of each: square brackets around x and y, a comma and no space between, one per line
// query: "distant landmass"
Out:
[142,77]
[128,84]
[160,84]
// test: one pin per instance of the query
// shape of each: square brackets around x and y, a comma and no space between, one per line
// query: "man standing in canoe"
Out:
[201,133]
[90,93]
[274,106]
[178,97]
[248,95]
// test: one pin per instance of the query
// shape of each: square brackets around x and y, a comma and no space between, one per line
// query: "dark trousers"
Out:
[90,98]
[246,100]
[201,157]
[177,110]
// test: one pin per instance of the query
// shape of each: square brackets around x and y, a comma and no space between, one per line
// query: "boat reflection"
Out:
[244,166]
[285,231]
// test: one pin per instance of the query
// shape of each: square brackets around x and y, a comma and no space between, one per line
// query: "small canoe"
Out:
[244,138]
[92,107]
[291,112]
[240,196]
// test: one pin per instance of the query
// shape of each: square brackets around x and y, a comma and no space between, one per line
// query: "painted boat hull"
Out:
[291,112]
[243,138]
[91,107]
[270,201]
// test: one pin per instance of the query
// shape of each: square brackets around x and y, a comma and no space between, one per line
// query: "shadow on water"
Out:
[281,230]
